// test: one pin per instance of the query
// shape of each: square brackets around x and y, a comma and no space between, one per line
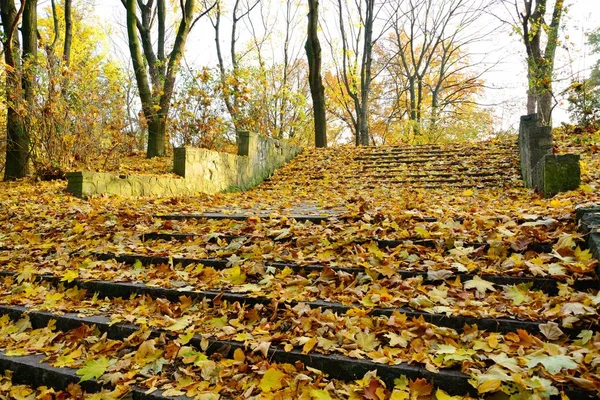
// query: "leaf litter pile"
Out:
[352,273]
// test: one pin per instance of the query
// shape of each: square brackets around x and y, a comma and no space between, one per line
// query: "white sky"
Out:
[506,83]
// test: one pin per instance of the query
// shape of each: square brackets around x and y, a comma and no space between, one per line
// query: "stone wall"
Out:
[201,171]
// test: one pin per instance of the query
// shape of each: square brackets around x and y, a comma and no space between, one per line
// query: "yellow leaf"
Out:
[70,276]
[318,394]
[398,395]
[309,345]
[490,385]
[582,255]
[172,393]
[441,395]
[493,341]
[271,380]
[78,228]
[468,193]
[239,356]
[586,189]
[422,232]
[185,338]
[235,275]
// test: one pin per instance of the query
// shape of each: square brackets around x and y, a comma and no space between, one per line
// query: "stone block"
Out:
[557,173]
[591,209]
[535,142]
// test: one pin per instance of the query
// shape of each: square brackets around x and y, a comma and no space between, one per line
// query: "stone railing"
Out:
[200,171]
[541,170]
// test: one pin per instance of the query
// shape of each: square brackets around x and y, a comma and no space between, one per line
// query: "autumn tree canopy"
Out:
[365,72]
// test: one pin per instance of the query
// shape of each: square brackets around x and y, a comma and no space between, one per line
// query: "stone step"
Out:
[457,322]
[34,371]
[453,166]
[436,148]
[336,366]
[548,285]
[382,175]
[451,178]
[438,163]
[316,219]
[381,243]
[436,183]
[437,156]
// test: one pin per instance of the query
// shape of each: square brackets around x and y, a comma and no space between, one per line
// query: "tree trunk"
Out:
[540,64]
[317,90]
[19,83]
[156,136]
[156,99]
[68,33]
[366,75]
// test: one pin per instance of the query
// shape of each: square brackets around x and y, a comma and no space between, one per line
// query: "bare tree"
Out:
[313,53]
[241,9]
[155,71]
[430,45]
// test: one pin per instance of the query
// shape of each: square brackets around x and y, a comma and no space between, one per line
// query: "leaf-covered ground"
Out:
[406,242]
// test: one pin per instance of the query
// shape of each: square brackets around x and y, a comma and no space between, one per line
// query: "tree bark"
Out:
[156,93]
[365,76]
[68,33]
[540,63]
[19,83]
[317,90]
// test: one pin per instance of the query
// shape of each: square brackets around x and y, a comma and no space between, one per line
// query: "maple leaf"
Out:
[179,324]
[507,362]
[420,387]
[577,309]
[320,394]
[585,336]
[492,379]
[551,330]
[70,276]
[94,368]
[582,255]
[422,232]
[518,294]
[367,341]
[68,360]
[552,364]
[185,338]
[271,380]
[396,340]
[479,284]
[235,275]
[172,393]
[441,395]
[439,275]
[26,274]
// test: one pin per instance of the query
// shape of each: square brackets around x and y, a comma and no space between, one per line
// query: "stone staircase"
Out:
[434,166]
[323,294]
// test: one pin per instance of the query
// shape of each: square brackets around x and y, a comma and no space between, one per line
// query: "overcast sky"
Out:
[506,82]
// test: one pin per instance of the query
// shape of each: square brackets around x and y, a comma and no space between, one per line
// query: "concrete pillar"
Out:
[247,143]
[535,142]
